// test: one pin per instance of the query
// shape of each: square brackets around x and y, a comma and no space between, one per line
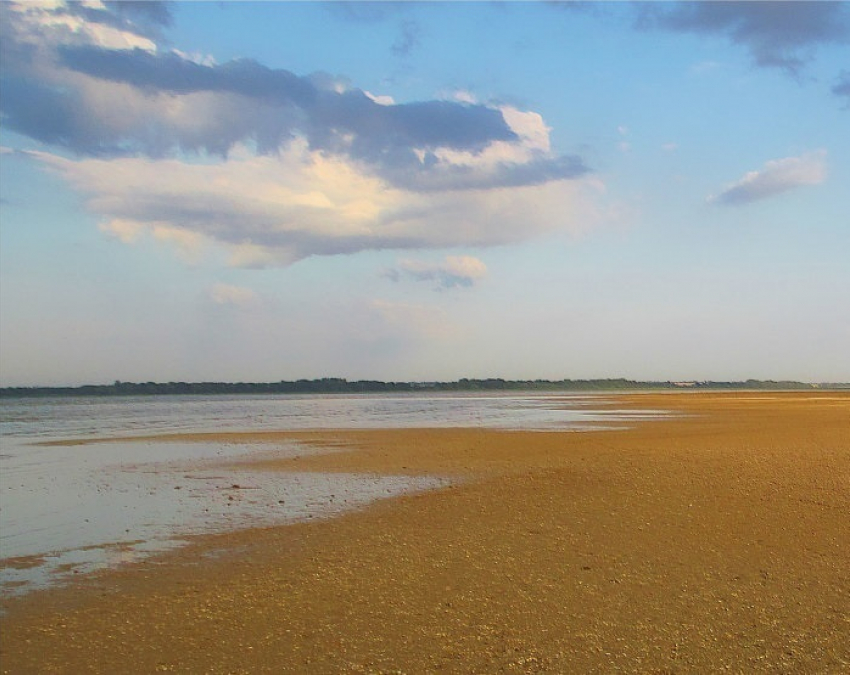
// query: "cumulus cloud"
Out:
[452,272]
[120,26]
[110,97]
[274,210]
[777,176]
[777,34]
[273,166]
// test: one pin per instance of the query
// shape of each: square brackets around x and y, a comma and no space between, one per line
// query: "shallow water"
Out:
[70,509]
[73,417]
[95,509]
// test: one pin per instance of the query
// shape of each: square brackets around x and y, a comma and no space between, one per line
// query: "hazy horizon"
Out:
[413,192]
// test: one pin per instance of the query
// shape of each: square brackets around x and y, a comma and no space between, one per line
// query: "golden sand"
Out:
[717,540]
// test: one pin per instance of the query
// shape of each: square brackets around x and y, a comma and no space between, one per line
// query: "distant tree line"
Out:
[335,385]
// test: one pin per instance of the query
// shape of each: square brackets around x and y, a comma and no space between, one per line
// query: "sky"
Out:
[240,191]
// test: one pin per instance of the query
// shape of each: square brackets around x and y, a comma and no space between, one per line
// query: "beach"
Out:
[713,539]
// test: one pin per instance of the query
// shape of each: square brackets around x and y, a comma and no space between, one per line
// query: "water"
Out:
[62,418]
[70,509]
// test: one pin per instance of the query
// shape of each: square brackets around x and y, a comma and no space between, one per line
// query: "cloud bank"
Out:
[777,176]
[272,165]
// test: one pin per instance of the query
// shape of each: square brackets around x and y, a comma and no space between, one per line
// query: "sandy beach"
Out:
[714,540]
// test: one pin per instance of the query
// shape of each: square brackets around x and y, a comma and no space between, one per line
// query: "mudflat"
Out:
[716,539]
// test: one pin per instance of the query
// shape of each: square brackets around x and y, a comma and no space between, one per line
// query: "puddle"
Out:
[82,512]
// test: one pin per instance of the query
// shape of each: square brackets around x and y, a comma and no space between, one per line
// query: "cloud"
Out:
[271,166]
[381,99]
[462,96]
[173,103]
[117,26]
[236,296]
[111,97]
[274,210]
[842,87]
[453,272]
[145,11]
[408,40]
[777,176]
[777,34]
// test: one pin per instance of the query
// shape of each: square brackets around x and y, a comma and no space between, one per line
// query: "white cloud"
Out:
[465,267]
[777,176]
[529,126]
[381,99]
[274,210]
[126,231]
[196,57]
[462,96]
[532,142]
[46,21]
[453,272]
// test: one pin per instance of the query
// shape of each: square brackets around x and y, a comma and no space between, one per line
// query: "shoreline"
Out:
[121,501]
[714,538]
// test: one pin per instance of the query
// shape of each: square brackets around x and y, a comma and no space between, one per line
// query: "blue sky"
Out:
[424,191]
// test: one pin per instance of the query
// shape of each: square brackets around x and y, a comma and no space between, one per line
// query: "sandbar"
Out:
[715,539]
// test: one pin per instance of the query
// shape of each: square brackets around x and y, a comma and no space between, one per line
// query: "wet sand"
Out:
[717,540]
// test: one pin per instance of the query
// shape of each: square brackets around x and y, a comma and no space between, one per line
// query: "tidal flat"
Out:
[715,538]
[88,483]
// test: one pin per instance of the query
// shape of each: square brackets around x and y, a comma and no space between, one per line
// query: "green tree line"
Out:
[335,385]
